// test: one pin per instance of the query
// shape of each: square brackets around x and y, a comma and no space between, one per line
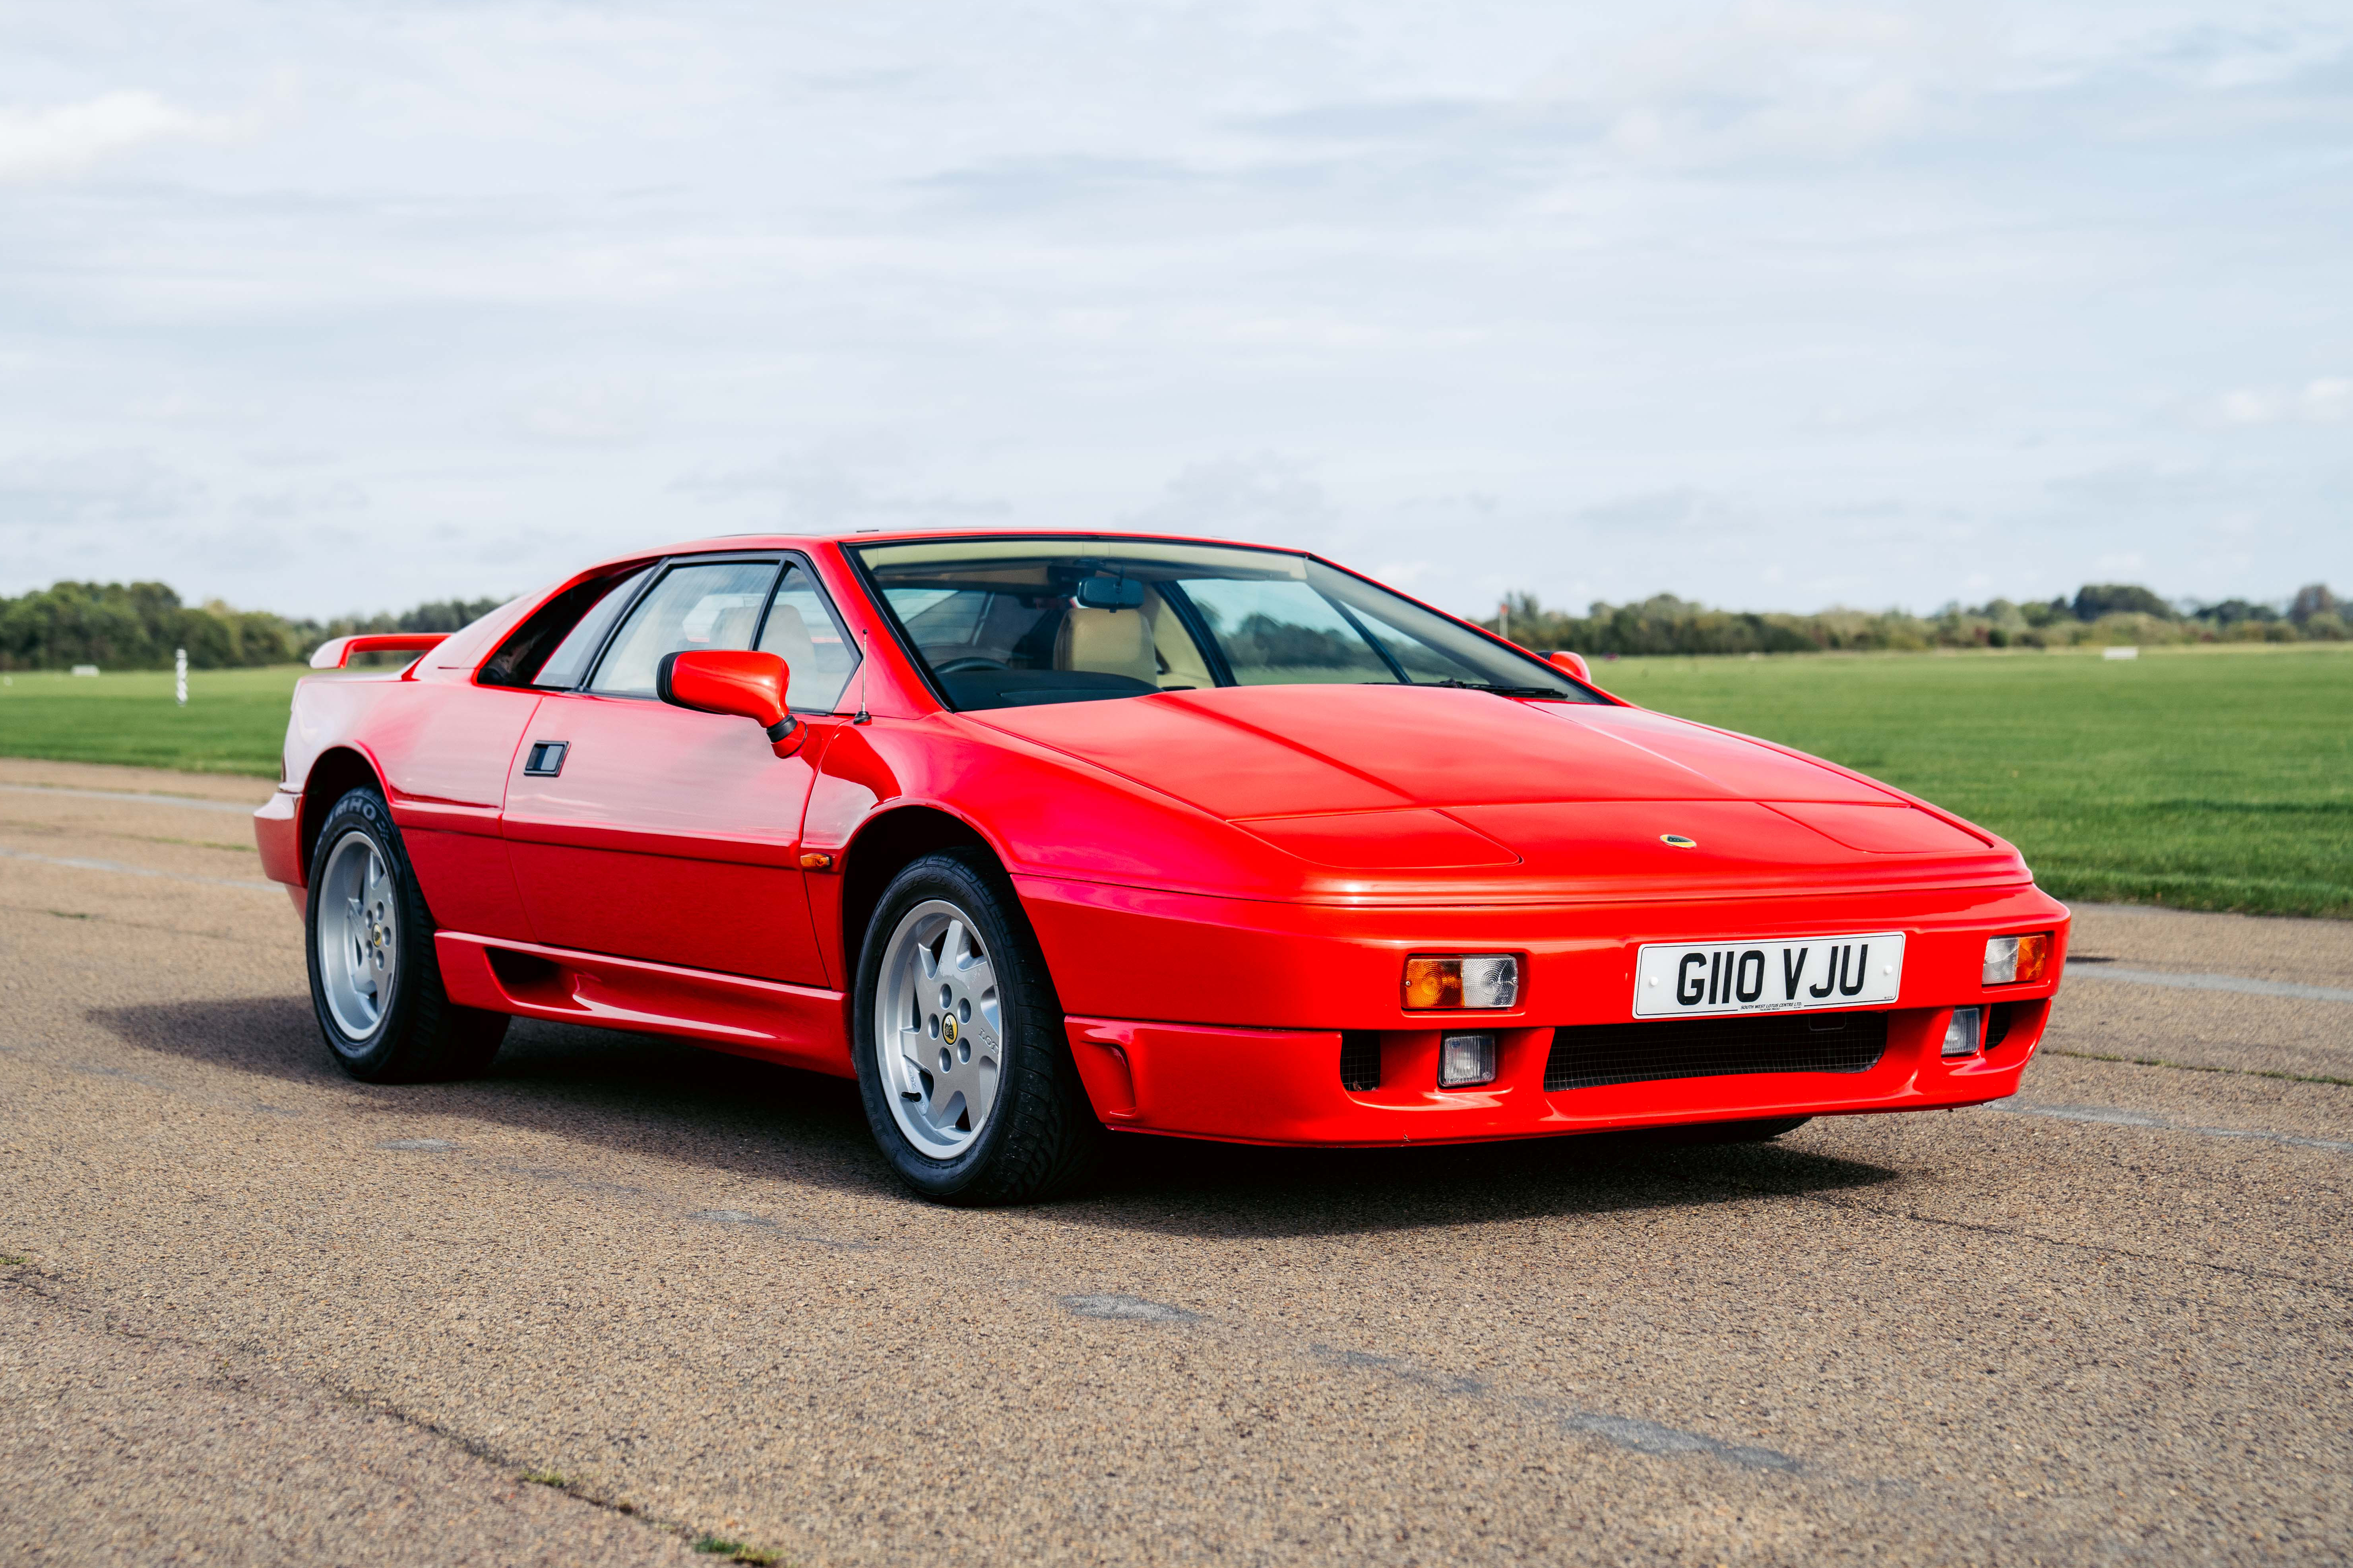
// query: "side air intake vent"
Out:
[1592,1055]
[1360,1058]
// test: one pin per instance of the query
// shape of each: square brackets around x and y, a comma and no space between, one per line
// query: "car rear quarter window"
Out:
[552,647]
[712,604]
[569,662]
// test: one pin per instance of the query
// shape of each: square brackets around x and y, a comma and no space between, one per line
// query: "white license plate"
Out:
[1677,980]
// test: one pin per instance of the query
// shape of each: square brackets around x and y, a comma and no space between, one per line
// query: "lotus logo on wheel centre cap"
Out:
[948,1027]
[1677,841]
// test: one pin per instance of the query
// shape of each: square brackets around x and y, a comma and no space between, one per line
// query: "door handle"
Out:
[546,758]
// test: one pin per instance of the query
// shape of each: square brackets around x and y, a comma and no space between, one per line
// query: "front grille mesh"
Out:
[1591,1056]
[1360,1058]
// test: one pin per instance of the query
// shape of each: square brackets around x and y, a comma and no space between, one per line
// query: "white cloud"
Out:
[80,489]
[2324,400]
[1770,77]
[834,487]
[1264,497]
[588,412]
[46,144]
[1870,294]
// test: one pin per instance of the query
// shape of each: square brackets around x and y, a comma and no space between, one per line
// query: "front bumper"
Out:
[1271,1086]
[1288,979]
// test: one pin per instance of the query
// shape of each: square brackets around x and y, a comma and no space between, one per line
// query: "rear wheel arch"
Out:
[338,770]
[885,846]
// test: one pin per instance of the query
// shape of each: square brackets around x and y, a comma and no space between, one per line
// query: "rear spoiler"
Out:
[336,652]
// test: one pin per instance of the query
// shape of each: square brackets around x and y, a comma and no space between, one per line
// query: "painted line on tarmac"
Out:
[2076,969]
[1131,1308]
[2110,1116]
[193,802]
[80,863]
[1630,1432]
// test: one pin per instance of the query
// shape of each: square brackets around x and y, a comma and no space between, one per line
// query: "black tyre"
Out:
[962,1060]
[376,982]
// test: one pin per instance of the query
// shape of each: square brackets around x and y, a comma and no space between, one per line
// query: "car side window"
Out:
[709,605]
[801,629]
[569,662]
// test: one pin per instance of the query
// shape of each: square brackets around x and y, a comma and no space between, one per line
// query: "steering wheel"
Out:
[970,661]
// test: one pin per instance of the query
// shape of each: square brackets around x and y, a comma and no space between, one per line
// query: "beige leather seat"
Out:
[1106,642]
[786,635]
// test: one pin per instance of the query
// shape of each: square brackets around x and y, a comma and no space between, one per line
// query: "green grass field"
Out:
[2203,778]
[235,722]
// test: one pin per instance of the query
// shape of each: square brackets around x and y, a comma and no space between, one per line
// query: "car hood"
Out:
[1455,789]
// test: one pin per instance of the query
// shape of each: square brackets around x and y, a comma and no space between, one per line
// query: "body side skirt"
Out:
[795,1025]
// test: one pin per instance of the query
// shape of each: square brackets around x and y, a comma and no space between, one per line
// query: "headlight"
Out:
[2017,960]
[1462,980]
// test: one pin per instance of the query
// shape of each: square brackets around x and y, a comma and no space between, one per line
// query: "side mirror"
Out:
[746,684]
[1572,662]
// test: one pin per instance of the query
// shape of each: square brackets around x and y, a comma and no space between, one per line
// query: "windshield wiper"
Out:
[1498,691]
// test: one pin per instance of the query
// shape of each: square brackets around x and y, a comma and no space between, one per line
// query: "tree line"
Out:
[138,625]
[141,626]
[2109,613]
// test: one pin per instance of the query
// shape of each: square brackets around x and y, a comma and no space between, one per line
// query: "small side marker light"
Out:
[1677,841]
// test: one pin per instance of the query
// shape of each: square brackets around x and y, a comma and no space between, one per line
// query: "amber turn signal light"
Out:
[2017,960]
[1462,980]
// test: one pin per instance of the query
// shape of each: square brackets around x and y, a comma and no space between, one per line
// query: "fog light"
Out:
[1464,980]
[1465,1060]
[1961,1034]
[2017,960]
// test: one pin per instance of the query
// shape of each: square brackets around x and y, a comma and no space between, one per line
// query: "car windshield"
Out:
[1003,622]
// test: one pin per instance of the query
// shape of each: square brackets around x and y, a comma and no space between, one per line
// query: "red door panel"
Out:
[668,835]
[445,749]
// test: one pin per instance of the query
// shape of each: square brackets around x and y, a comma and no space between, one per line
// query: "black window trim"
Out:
[851,552]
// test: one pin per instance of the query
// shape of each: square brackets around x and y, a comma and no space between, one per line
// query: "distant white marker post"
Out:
[180,675]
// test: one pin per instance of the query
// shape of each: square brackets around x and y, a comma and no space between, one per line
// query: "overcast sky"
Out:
[327,307]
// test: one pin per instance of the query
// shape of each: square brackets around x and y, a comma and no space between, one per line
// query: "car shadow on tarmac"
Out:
[645,1094]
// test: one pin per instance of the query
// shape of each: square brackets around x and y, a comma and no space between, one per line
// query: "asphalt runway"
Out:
[623,1296]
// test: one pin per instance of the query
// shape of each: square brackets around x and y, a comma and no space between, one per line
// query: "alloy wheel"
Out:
[939,1029]
[359,935]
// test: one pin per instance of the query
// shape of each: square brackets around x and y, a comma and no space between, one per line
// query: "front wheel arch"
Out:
[885,845]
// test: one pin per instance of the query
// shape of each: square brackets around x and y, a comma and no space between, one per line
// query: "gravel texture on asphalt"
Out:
[257,1313]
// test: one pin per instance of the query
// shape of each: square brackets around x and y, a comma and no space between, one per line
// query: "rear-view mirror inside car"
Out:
[1111,592]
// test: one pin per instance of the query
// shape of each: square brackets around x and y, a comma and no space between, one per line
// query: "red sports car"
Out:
[1037,835]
